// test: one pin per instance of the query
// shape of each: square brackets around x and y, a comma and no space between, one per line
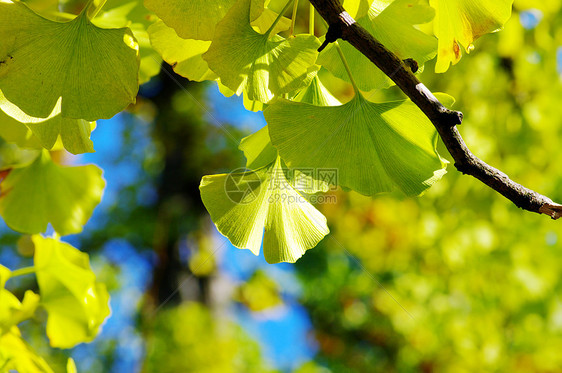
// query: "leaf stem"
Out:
[294,17]
[344,61]
[311,19]
[23,271]
[268,32]
[93,8]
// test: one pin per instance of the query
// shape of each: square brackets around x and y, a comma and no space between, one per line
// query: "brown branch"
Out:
[342,25]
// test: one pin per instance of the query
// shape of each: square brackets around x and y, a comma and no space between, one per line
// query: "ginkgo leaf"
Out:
[76,304]
[243,204]
[460,22]
[184,55]
[17,356]
[12,156]
[316,94]
[44,132]
[258,150]
[12,311]
[375,147]
[74,134]
[43,192]
[17,133]
[266,19]
[196,19]
[132,14]
[259,65]
[393,26]
[357,8]
[93,70]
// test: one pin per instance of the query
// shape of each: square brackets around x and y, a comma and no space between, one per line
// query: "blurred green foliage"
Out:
[458,280]
[189,338]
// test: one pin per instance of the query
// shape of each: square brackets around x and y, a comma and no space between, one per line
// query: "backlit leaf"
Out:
[357,8]
[196,19]
[243,204]
[184,55]
[132,14]
[12,156]
[76,304]
[393,26]
[43,192]
[17,133]
[459,22]
[266,19]
[261,66]
[12,311]
[17,356]
[316,94]
[94,70]
[375,147]
[30,132]
[258,150]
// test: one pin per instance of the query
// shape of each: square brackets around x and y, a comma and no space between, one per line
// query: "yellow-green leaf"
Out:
[357,8]
[196,19]
[17,356]
[261,66]
[12,311]
[43,192]
[76,304]
[93,70]
[12,156]
[373,147]
[394,26]
[132,14]
[184,55]
[243,204]
[30,132]
[15,132]
[459,22]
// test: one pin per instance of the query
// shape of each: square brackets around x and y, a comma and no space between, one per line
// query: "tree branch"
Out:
[342,25]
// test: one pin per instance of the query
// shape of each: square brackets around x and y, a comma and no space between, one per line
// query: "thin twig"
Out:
[444,120]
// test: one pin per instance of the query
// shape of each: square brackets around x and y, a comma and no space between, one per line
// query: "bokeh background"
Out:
[458,280]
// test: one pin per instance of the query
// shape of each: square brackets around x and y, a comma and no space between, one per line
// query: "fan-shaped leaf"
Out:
[316,94]
[374,147]
[77,305]
[30,132]
[184,55]
[460,22]
[357,8]
[261,66]
[242,204]
[12,156]
[196,19]
[393,26]
[266,19]
[132,14]
[94,70]
[43,192]
[258,150]
[12,311]
[17,356]
[17,133]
